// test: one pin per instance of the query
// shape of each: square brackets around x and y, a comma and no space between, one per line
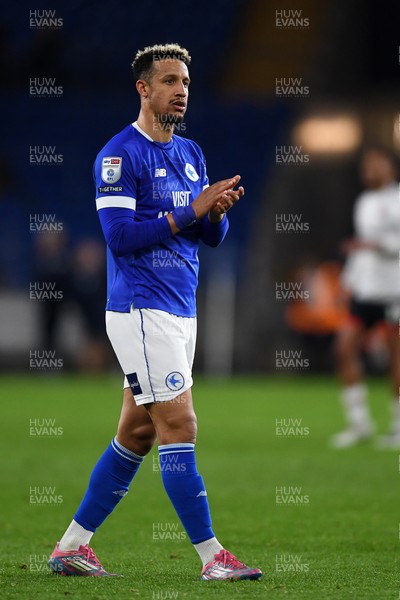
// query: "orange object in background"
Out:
[325,309]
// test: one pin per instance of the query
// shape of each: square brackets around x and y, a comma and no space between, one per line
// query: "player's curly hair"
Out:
[142,65]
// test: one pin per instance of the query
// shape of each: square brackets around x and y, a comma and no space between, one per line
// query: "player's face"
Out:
[376,169]
[169,90]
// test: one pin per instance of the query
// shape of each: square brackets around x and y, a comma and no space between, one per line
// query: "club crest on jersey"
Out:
[111,169]
[191,172]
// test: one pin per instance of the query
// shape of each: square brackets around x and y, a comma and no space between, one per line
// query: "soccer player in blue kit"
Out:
[155,204]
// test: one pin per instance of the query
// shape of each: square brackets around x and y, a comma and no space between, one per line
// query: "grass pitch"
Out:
[322,524]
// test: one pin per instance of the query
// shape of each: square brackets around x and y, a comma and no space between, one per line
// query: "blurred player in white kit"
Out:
[372,277]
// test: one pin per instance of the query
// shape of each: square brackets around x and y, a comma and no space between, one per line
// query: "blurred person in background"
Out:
[72,276]
[319,309]
[371,276]
[51,272]
[88,288]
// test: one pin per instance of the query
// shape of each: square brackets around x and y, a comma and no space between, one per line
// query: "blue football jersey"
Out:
[146,180]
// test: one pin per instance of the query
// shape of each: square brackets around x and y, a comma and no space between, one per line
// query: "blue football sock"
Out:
[108,484]
[185,488]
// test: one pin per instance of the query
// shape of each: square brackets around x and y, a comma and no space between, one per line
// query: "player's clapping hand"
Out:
[218,199]
[229,199]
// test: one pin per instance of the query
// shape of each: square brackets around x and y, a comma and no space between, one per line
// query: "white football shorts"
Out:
[155,350]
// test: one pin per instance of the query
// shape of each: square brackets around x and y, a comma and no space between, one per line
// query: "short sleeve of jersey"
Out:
[115,178]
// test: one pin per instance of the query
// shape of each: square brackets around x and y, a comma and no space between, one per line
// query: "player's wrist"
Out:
[184,216]
[215,217]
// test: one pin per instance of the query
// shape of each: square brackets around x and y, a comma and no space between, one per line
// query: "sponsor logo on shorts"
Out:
[134,383]
[175,381]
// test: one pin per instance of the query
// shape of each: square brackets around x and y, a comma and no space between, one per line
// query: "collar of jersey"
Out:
[164,145]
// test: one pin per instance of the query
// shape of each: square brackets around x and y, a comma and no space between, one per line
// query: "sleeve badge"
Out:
[111,169]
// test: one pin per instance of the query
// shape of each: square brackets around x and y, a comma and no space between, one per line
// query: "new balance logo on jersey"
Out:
[160,173]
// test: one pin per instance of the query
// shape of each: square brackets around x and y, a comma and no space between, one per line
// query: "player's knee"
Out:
[190,427]
[139,439]
[145,436]
[178,428]
[186,423]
